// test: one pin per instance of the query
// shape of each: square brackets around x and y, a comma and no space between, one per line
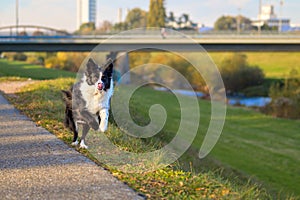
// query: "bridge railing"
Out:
[145,37]
[23,30]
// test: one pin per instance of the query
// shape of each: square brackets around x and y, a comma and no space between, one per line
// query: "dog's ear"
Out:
[109,67]
[91,66]
[91,72]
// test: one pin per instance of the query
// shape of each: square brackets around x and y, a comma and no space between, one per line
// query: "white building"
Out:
[267,12]
[267,16]
[86,12]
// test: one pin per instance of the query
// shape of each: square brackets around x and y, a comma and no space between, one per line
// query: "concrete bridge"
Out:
[123,43]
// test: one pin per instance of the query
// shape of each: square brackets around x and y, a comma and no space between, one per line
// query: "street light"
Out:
[280,17]
[238,28]
[259,17]
[17,17]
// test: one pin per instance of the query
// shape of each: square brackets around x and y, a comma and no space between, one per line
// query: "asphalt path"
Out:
[34,164]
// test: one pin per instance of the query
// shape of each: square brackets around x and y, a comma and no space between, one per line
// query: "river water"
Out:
[232,100]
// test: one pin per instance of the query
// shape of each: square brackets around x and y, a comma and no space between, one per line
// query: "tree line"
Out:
[238,76]
[136,18]
[156,17]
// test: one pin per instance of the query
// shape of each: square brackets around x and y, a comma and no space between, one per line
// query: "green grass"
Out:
[263,147]
[258,146]
[276,65]
[24,70]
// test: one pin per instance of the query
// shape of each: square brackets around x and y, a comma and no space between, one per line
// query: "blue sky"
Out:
[61,14]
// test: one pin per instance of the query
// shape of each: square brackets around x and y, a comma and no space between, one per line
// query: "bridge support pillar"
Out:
[121,62]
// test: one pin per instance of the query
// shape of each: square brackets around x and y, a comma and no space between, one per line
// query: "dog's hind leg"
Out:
[75,134]
[69,116]
[85,130]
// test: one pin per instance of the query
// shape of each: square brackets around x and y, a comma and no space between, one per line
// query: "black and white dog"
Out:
[87,102]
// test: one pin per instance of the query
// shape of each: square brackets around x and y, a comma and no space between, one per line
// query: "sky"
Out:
[61,14]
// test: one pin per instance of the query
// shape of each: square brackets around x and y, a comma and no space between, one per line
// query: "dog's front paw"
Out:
[104,120]
[103,128]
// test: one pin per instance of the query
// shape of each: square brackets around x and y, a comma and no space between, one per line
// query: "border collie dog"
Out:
[87,102]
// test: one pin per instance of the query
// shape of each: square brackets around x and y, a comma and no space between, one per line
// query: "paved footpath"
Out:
[34,164]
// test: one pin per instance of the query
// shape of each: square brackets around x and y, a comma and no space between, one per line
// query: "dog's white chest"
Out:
[95,105]
[91,99]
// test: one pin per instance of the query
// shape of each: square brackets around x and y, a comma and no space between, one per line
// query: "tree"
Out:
[245,23]
[86,28]
[171,17]
[121,26]
[161,14]
[157,14]
[136,18]
[285,98]
[225,23]
[105,27]
[185,17]
[238,75]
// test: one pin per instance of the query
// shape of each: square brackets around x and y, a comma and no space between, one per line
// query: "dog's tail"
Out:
[69,120]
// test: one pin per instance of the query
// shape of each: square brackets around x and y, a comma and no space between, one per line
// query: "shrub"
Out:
[35,60]
[52,62]
[238,75]
[69,61]
[20,57]
[15,56]
[169,59]
[285,99]
[8,55]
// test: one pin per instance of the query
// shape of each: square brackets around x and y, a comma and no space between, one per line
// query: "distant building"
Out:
[268,17]
[120,16]
[86,12]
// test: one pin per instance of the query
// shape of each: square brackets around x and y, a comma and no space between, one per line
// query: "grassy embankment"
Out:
[276,65]
[255,145]
[251,144]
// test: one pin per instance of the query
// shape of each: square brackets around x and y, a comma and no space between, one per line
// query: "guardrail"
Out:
[154,34]
[153,42]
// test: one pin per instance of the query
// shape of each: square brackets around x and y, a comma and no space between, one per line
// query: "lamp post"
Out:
[17,17]
[259,17]
[238,28]
[280,17]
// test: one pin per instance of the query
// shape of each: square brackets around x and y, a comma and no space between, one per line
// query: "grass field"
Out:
[259,146]
[263,147]
[24,70]
[276,65]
